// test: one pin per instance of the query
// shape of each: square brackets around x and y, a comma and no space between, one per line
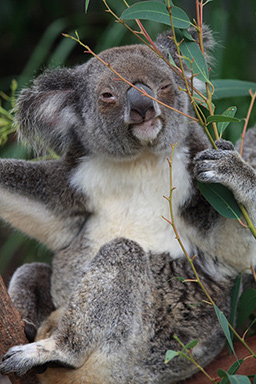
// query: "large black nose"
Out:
[141,107]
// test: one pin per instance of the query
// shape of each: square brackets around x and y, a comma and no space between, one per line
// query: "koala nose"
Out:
[141,107]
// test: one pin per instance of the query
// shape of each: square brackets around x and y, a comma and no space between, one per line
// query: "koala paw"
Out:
[216,165]
[19,359]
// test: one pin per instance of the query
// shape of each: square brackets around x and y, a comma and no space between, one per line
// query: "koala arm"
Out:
[36,198]
[226,166]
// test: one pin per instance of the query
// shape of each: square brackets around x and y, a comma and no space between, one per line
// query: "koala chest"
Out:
[127,200]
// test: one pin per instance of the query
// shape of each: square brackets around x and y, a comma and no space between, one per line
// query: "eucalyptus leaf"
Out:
[221,198]
[224,325]
[234,379]
[193,54]
[222,118]
[151,10]
[191,344]
[231,111]
[231,371]
[246,306]
[232,88]
[234,300]
[86,5]
[170,355]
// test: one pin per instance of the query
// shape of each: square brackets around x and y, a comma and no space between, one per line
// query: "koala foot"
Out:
[19,359]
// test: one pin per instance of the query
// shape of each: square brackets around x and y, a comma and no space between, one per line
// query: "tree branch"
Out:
[12,332]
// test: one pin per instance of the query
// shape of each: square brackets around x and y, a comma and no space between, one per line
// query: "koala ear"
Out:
[47,112]
[166,44]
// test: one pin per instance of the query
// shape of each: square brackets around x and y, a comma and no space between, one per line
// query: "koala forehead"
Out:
[136,63]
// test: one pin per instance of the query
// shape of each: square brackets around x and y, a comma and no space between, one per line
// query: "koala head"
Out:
[90,108]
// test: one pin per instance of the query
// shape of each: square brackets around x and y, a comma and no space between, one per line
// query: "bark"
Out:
[12,332]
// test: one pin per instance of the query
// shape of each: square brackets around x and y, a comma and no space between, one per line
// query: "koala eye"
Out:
[108,97]
[165,87]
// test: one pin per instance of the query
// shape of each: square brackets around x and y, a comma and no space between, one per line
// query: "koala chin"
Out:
[108,308]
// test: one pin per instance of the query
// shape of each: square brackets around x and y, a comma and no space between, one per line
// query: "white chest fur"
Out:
[127,200]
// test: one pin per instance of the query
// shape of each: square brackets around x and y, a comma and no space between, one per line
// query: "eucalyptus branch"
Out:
[190,260]
[190,357]
[188,90]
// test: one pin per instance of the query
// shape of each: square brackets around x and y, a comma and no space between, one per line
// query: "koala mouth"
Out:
[147,131]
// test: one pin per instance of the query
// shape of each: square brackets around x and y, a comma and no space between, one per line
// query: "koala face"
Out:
[90,106]
[128,121]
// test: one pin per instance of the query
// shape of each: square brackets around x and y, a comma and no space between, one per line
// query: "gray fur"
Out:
[114,279]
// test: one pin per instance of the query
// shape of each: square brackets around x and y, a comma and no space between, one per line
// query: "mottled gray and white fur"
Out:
[114,278]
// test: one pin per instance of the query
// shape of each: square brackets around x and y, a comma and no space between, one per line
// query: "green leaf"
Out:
[254,380]
[221,198]
[191,344]
[232,88]
[246,306]
[231,111]
[232,370]
[234,379]
[224,324]
[193,54]
[234,300]
[170,355]
[222,118]
[86,5]
[171,60]
[151,10]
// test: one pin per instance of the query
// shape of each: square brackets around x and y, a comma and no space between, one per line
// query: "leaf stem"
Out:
[248,220]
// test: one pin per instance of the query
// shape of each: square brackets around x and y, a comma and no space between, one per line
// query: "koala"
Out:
[109,307]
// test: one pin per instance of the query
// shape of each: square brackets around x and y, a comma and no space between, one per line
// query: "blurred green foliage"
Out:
[31,40]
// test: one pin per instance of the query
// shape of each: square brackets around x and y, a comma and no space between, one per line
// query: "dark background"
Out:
[31,40]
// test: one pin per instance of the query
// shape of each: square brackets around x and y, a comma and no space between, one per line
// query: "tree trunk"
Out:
[12,332]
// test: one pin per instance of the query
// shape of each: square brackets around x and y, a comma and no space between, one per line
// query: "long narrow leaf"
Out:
[232,370]
[221,198]
[224,325]
[234,300]
[232,88]
[191,51]
[151,10]
[86,5]
[231,111]
[234,379]
[222,118]
[246,306]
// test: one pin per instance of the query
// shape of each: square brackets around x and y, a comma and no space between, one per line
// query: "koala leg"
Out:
[103,325]
[30,291]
